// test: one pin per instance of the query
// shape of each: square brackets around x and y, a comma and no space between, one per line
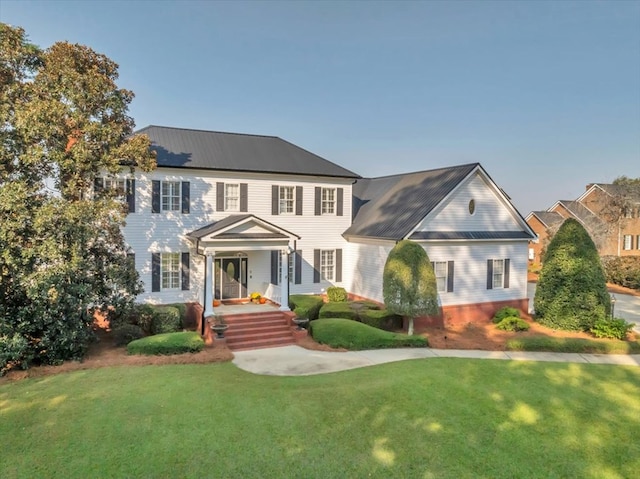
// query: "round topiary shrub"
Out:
[572,291]
[513,323]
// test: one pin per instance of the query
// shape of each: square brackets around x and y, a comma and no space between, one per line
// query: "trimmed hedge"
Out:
[381,319]
[182,308]
[126,333]
[369,314]
[306,305]
[573,345]
[336,294]
[166,344]
[338,310]
[166,319]
[513,323]
[623,271]
[343,333]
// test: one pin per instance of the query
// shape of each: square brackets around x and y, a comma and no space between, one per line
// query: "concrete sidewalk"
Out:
[297,361]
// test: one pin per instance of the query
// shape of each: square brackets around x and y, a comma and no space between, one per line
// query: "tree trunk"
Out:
[410,330]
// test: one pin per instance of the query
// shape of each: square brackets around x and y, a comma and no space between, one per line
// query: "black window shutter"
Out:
[186,197]
[449,276]
[244,197]
[98,186]
[131,195]
[185,271]
[338,266]
[316,265]
[275,199]
[298,267]
[340,202]
[298,200]
[318,198]
[155,272]
[489,274]
[219,196]
[155,196]
[507,264]
[274,266]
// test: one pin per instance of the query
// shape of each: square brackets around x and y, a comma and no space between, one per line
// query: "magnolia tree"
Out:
[572,292]
[409,283]
[63,122]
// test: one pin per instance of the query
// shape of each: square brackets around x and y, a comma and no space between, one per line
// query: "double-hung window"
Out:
[327,264]
[170,270]
[170,198]
[328,201]
[627,242]
[440,269]
[231,197]
[498,273]
[287,200]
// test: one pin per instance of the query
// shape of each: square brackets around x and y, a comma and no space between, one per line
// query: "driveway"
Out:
[626,306]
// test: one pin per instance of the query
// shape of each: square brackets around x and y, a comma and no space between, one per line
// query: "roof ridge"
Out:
[423,171]
[211,131]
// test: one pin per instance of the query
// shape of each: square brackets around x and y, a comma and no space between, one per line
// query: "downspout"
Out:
[204,285]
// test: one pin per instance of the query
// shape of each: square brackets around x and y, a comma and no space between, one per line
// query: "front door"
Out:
[231,277]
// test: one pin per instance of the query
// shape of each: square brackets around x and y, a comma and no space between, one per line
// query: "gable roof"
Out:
[630,192]
[578,211]
[389,207]
[548,218]
[213,150]
[219,229]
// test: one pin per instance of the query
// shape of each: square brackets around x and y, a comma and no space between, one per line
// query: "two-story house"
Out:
[226,214]
[609,212]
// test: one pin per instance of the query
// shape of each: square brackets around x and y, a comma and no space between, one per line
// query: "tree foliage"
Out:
[63,121]
[409,283]
[571,293]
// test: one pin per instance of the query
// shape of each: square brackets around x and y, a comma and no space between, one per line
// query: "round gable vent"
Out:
[472,206]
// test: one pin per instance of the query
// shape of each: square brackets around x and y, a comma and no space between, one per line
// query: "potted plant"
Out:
[218,325]
[255,297]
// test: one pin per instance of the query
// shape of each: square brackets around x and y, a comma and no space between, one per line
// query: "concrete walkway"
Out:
[297,361]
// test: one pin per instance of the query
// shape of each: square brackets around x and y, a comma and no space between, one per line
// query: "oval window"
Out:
[472,206]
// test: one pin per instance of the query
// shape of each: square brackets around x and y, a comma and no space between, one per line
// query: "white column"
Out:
[284,281]
[208,287]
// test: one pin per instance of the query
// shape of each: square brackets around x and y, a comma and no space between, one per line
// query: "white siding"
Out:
[470,269]
[147,232]
[491,213]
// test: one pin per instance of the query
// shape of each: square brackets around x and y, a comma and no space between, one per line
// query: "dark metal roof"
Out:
[548,218]
[470,235]
[231,220]
[212,150]
[390,207]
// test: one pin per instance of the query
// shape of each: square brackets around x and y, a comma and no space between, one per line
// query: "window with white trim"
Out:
[115,184]
[291,267]
[627,242]
[328,201]
[287,200]
[637,241]
[231,197]
[170,196]
[327,264]
[498,273]
[170,270]
[440,268]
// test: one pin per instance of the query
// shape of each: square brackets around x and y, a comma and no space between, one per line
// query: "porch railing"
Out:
[273,293]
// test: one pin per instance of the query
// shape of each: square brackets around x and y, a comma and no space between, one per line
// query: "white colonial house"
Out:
[226,214]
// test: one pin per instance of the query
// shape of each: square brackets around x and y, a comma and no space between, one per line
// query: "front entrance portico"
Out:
[237,250]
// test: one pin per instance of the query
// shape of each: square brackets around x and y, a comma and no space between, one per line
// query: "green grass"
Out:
[167,343]
[433,418]
[344,333]
[574,345]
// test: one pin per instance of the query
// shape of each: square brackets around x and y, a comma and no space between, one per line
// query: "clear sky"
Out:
[545,95]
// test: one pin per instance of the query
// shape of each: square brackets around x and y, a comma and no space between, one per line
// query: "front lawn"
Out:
[441,418]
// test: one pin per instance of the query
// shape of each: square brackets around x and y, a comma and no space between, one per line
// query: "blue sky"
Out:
[545,95]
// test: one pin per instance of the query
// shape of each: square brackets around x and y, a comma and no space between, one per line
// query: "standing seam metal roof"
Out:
[212,150]
[390,207]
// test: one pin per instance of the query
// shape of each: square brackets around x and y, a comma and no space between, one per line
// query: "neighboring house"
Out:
[228,214]
[617,235]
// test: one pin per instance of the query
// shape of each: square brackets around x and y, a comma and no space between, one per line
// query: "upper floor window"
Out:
[287,200]
[170,196]
[231,197]
[328,201]
[627,242]
[123,189]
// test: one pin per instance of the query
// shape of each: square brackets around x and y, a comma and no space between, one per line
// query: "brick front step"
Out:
[258,330]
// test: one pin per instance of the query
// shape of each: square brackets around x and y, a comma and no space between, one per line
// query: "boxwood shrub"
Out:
[338,310]
[506,312]
[352,335]
[336,294]
[182,309]
[513,323]
[168,343]
[611,328]
[126,333]
[166,319]
[306,305]
[381,319]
